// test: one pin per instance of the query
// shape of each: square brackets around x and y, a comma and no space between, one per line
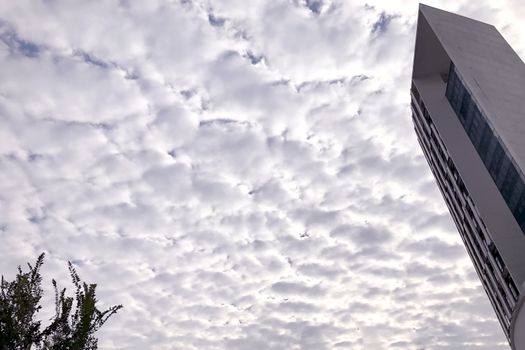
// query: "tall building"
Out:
[468,109]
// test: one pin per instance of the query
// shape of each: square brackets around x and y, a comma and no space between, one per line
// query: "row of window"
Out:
[468,223]
[458,218]
[490,149]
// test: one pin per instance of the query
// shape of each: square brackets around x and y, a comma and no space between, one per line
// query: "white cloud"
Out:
[240,175]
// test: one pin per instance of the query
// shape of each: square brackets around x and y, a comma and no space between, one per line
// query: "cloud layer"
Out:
[240,175]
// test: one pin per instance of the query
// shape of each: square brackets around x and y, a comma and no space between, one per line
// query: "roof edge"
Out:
[428,10]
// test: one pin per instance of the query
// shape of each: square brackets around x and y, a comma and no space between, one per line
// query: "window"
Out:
[488,146]
[486,139]
[497,158]
[415,92]
[516,194]
[513,289]
[469,211]
[519,210]
[508,184]
[465,105]
[461,186]
[499,261]
[474,126]
[492,248]
[480,233]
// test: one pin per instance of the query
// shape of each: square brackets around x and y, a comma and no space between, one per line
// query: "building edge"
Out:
[517,327]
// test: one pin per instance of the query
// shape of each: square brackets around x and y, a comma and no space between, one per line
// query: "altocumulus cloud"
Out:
[241,175]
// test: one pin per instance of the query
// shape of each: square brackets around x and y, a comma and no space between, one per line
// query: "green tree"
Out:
[73,326]
[19,304]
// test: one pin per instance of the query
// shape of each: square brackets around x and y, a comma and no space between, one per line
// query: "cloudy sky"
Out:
[240,174]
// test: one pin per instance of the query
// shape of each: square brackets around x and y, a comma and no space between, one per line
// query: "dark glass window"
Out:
[522,225]
[491,152]
[508,184]
[502,171]
[465,104]
[467,119]
[497,158]
[516,194]
[474,126]
[519,209]
[451,82]
[455,90]
[486,139]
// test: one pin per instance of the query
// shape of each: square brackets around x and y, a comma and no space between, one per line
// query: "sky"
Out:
[238,174]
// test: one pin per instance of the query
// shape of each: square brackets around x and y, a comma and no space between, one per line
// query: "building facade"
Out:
[468,110]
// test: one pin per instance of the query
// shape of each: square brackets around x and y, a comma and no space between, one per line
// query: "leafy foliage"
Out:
[73,326]
[19,303]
